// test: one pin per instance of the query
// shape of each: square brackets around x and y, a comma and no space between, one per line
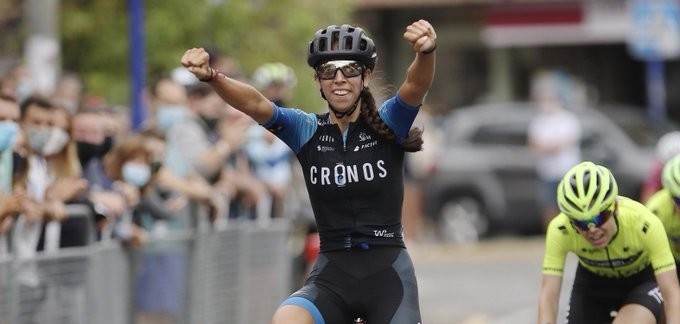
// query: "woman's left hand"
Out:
[421,36]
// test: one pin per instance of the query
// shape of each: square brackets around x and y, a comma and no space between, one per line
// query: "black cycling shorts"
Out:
[595,299]
[378,285]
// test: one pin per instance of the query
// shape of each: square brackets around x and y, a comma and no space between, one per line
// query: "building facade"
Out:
[488,49]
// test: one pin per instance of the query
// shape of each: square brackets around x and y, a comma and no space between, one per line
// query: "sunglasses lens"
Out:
[349,69]
[326,71]
[597,221]
[677,200]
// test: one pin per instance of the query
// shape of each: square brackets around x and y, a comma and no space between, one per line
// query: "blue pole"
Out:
[137,63]
[656,90]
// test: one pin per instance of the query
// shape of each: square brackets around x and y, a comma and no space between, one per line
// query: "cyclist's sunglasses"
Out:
[349,69]
[596,221]
[677,200]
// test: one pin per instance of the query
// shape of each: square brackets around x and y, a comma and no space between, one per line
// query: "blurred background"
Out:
[473,214]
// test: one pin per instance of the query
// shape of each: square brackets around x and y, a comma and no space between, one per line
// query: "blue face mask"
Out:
[136,173]
[168,116]
[8,134]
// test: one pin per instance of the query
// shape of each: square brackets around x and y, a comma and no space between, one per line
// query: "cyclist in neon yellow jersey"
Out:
[625,262]
[665,203]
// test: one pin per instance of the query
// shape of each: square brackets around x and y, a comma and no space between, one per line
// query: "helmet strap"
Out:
[340,114]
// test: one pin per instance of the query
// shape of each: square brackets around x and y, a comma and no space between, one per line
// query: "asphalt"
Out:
[495,281]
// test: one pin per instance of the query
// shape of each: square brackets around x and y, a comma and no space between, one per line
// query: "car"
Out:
[484,179]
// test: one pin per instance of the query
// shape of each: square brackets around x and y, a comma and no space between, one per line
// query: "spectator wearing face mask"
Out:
[11,199]
[66,184]
[43,139]
[189,156]
[128,168]
[108,203]
[54,176]
[190,125]
[161,274]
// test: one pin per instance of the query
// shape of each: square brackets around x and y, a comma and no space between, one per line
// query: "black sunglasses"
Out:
[349,69]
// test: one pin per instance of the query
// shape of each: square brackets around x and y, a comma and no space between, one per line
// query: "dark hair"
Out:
[341,43]
[412,143]
[37,101]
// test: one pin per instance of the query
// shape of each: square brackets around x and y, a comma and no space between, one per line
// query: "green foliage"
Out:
[95,38]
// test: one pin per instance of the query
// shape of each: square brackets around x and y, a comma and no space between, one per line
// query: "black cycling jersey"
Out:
[355,186]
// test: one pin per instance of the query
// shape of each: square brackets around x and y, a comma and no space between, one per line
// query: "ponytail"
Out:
[412,143]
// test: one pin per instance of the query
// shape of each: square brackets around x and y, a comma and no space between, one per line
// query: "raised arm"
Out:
[420,73]
[241,96]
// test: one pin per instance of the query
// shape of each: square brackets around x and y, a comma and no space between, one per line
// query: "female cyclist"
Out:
[352,158]
[665,203]
[625,263]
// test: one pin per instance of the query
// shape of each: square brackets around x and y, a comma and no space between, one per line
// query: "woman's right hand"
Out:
[196,60]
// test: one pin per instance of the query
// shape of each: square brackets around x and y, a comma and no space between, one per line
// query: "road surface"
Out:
[493,282]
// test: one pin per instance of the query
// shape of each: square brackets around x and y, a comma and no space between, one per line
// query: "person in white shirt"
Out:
[554,137]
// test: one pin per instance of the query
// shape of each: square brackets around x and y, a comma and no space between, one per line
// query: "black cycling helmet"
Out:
[353,44]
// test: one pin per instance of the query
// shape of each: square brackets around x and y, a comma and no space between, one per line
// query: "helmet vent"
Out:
[322,45]
[363,45]
[335,38]
[586,181]
[610,190]
[347,44]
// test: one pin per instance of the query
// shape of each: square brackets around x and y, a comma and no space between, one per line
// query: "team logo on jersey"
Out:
[365,146]
[363,137]
[339,171]
[609,263]
[324,148]
[383,233]
[341,174]
[326,138]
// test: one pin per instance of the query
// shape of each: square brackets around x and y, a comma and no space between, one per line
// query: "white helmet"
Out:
[668,146]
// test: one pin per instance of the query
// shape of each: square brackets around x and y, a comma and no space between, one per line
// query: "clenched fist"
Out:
[421,36]
[196,61]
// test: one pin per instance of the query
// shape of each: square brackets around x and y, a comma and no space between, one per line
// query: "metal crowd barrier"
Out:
[235,275]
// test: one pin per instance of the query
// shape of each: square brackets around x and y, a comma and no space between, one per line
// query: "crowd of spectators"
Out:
[193,151]
[194,155]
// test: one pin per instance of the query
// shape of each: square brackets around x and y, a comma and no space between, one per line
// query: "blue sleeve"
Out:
[398,116]
[293,126]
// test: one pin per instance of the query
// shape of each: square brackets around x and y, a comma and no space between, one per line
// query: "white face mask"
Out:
[136,173]
[57,141]
[37,138]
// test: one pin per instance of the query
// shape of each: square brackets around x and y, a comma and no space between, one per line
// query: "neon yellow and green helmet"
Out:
[670,178]
[586,190]
[273,73]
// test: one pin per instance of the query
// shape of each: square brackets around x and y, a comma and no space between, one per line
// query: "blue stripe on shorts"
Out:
[307,305]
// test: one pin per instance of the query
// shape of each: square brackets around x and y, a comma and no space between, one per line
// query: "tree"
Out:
[95,37]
